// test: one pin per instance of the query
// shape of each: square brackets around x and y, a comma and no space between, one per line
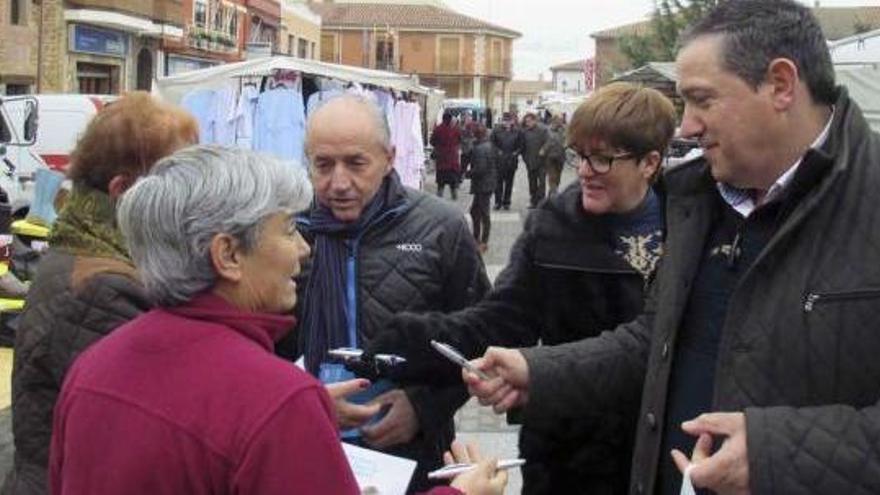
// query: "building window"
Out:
[302,48]
[98,79]
[497,66]
[328,48]
[385,53]
[18,89]
[200,13]
[18,12]
[216,15]
[449,54]
[230,22]
[291,39]
[312,50]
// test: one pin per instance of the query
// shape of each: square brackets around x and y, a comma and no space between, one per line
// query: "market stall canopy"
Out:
[173,88]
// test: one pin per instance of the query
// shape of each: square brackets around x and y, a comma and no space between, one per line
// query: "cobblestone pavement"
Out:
[473,422]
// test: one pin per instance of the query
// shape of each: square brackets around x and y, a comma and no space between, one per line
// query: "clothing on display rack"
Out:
[244,116]
[406,136]
[201,104]
[279,124]
[225,116]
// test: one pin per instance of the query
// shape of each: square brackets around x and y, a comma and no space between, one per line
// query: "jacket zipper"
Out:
[813,298]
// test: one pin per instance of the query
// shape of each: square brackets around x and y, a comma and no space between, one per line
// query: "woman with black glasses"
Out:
[580,266]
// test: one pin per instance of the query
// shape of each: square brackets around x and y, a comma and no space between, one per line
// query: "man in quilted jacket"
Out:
[86,285]
[378,248]
[755,359]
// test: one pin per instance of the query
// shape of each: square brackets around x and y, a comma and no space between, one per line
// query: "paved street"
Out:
[473,423]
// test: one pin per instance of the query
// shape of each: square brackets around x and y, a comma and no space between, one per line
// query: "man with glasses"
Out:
[579,267]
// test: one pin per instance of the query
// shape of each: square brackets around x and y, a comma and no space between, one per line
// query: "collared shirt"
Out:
[743,200]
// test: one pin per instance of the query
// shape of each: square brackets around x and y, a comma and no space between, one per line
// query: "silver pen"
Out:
[453,355]
[453,470]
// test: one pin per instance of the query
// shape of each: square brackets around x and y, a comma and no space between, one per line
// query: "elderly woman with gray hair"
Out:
[189,397]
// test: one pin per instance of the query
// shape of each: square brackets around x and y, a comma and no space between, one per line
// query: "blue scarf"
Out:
[325,316]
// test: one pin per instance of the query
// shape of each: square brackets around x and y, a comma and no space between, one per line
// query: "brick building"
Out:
[300,31]
[464,56]
[19,24]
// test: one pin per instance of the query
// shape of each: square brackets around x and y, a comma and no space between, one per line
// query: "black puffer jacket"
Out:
[509,143]
[74,301]
[801,337]
[563,283]
[422,259]
[484,167]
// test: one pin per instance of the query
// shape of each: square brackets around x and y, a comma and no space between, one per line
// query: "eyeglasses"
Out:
[598,163]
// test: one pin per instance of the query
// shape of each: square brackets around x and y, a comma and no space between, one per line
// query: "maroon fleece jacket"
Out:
[192,400]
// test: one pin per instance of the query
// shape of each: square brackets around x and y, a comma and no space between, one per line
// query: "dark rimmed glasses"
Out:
[598,163]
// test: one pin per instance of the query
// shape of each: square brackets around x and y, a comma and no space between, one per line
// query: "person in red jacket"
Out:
[189,397]
[446,140]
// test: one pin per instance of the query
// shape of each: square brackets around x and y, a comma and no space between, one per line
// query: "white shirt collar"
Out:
[742,200]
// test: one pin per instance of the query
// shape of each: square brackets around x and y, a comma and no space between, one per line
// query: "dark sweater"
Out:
[733,245]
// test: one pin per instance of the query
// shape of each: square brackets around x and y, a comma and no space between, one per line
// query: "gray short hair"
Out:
[170,216]
[380,121]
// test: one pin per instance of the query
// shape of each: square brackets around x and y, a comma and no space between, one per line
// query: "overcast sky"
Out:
[558,31]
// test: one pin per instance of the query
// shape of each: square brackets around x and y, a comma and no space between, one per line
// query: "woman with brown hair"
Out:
[86,285]
[580,266]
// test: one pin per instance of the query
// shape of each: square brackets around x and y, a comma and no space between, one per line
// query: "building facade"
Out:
[570,78]
[19,27]
[465,57]
[112,46]
[300,34]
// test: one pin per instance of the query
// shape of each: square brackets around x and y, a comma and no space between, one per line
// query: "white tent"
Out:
[863,84]
[862,48]
[173,88]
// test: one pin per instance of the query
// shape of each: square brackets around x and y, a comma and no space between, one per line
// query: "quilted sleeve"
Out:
[506,317]
[814,450]
[465,280]
[104,303]
[603,373]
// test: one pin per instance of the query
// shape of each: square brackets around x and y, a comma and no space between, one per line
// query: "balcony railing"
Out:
[207,39]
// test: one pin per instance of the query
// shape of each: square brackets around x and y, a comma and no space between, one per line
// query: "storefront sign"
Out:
[178,65]
[88,39]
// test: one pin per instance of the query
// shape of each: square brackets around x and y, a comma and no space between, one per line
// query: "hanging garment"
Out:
[279,125]
[244,116]
[225,116]
[200,103]
[406,136]
[385,100]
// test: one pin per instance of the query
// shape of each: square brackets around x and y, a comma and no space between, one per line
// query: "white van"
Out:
[63,118]
[18,130]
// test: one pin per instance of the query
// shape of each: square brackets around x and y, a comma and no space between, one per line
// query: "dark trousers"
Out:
[449,178]
[504,186]
[537,185]
[554,174]
[480,215]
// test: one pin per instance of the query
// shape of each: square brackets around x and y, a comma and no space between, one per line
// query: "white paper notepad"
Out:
[378,473]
